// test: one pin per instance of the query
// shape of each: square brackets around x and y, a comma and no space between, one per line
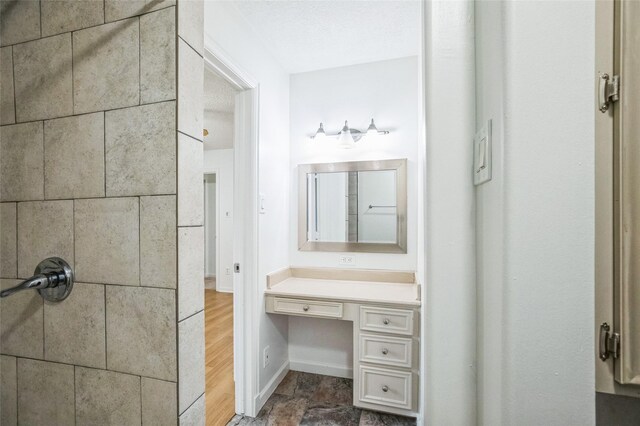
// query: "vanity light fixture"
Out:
[348,136]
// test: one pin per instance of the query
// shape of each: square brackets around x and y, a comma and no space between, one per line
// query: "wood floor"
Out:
[219,392]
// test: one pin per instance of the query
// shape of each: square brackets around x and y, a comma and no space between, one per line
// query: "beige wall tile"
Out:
[20,22]
[43,91]
[45,229]
[159,402]
[21,162]
[107,241]
[141,331]
[60,16]
[140,145]
[7,105]
[191,23]
[195,415]
[158,241]
[190,271]
[118,9]
[190,91]
[8,241]
[158,56]
[80,141]
[106,398]
[191,356]
[45,393]
[190,172]
[8,390]
[21,322]
[74,330]
[106,66]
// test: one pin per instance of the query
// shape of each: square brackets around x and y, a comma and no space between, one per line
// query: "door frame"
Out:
[245,288]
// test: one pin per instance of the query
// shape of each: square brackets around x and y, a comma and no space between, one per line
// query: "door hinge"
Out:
[609,343]
[608,91]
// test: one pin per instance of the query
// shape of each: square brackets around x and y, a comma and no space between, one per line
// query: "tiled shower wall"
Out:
[101,164]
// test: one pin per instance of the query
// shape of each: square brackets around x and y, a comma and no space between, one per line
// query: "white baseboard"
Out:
[324,369]
[224,290]
[268,390]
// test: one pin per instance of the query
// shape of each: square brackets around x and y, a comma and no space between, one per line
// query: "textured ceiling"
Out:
[219,96]
[317,34]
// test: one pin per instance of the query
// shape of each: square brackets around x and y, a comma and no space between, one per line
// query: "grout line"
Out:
[75,392]
[191,405]
[89,367]
[188,135]
[91,112]
[73,92]
[190,316]
[44,169]
[104,150]
[192,48]
[40,7]
[140,400]
[16,210]
[15,99]
[92,26]
[139,64]
[190,226]
[113,197]
[105,326]
[139,241]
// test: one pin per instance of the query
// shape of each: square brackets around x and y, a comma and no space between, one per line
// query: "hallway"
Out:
[220,388]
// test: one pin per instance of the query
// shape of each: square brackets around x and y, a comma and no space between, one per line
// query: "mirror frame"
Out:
[399,165]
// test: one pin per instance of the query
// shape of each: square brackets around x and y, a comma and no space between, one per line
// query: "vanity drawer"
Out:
[386,387]
[311,308]
[398,321]
[386,350]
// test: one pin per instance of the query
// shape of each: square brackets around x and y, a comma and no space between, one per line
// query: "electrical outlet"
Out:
[347,260]
[227,271]
[265,357]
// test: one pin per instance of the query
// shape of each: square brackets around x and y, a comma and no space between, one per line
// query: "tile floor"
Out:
[312,399]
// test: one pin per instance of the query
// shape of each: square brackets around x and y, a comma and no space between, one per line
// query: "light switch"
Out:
[482,155]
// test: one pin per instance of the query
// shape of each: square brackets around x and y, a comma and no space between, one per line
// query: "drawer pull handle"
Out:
[305,308]
[385,351]
[385,321]
[385,388]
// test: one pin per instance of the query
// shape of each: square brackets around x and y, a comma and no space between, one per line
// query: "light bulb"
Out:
[372,130]
[346,140]
[321,136]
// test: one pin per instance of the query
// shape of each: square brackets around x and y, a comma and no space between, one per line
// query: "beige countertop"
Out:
[347,290]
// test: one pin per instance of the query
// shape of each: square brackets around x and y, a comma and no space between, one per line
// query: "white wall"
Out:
[535,219]
[220,161]
[449,318]
[210,220]
[387,91]
[227,29]
[220,126]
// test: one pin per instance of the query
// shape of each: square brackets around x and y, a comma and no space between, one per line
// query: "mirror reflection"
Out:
[355,206]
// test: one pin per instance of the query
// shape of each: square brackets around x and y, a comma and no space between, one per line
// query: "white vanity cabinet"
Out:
[385,317]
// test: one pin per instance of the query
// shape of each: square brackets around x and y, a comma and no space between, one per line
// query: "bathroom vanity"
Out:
[384,307]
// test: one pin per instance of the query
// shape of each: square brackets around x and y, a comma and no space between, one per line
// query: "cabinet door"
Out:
[627,127]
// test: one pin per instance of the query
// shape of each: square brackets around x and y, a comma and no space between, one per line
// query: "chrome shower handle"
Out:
[53,278]
[37,282]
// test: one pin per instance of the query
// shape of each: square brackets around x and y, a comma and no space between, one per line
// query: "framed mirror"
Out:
[358,206]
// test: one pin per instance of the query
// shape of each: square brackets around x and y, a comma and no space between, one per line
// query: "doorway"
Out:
[230,166]
[219,124]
